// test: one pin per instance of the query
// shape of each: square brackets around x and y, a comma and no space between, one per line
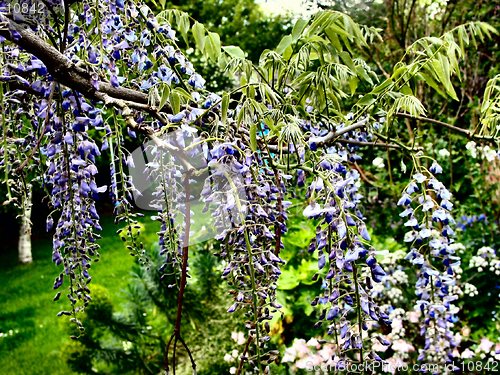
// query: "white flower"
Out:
[402,346]
[228,358]
[232,370]
[444,153]
[424,233]
[436,168]
[411,223]
[403,166]
[485,345]
[457,246]
[378,162]
[313,342]
[413,316]
[471,146]
[290,355]
[485,251]
[317,184]
[419,177]
[313,209]
[427,204]
[488,153]
[470,290]
[238,337]
[410,236]
[467,353]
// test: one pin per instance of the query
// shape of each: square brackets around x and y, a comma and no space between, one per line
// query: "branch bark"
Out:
[320,141]
[454,128]
[65,71]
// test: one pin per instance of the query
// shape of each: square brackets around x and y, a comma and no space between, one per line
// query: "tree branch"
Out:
[373,144]
[456,129]
[320,141]
[66,72]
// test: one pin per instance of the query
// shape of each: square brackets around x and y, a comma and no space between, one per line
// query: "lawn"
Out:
[32,338]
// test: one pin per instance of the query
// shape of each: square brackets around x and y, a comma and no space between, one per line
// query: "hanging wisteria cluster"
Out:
[342,243]
[430,236]
[95,77]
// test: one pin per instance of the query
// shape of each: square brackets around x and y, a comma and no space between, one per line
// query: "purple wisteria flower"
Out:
[435,260]
[346,261]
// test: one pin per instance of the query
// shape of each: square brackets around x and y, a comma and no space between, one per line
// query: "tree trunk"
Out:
[25,232]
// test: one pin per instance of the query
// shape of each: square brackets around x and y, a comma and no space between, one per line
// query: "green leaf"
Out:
[175,100]
[183,26]
[319,23]
[366,100]
[406,90]
[408,104]
[441,69]
[340,31]
[285,42]
[225,106]
[270,124]
[288,53]
[399,70]
[164,96]
[234,51]
[298,28]
[198,31]
[241,114]
[253,137]
[346,59]
[183,94]
[212,46]
[334,39]
[288,280]
[353,84]
[380,88]
[361,72]
[427,78]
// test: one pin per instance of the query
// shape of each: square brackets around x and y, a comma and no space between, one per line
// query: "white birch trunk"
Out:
[25,232]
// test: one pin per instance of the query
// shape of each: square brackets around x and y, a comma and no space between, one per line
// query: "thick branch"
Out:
[320,141]
[63,69]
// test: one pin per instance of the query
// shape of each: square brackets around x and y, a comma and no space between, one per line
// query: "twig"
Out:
[456,129]
[240,366]
[374,144]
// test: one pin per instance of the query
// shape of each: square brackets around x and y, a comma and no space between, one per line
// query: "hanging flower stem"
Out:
[358,310]
[252,273]
[176,336]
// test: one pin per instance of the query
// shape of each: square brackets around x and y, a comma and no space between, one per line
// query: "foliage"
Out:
[294,130]
[30,336]
[132,341]
[238,23]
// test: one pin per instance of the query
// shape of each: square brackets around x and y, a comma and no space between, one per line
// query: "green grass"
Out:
[32,337]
